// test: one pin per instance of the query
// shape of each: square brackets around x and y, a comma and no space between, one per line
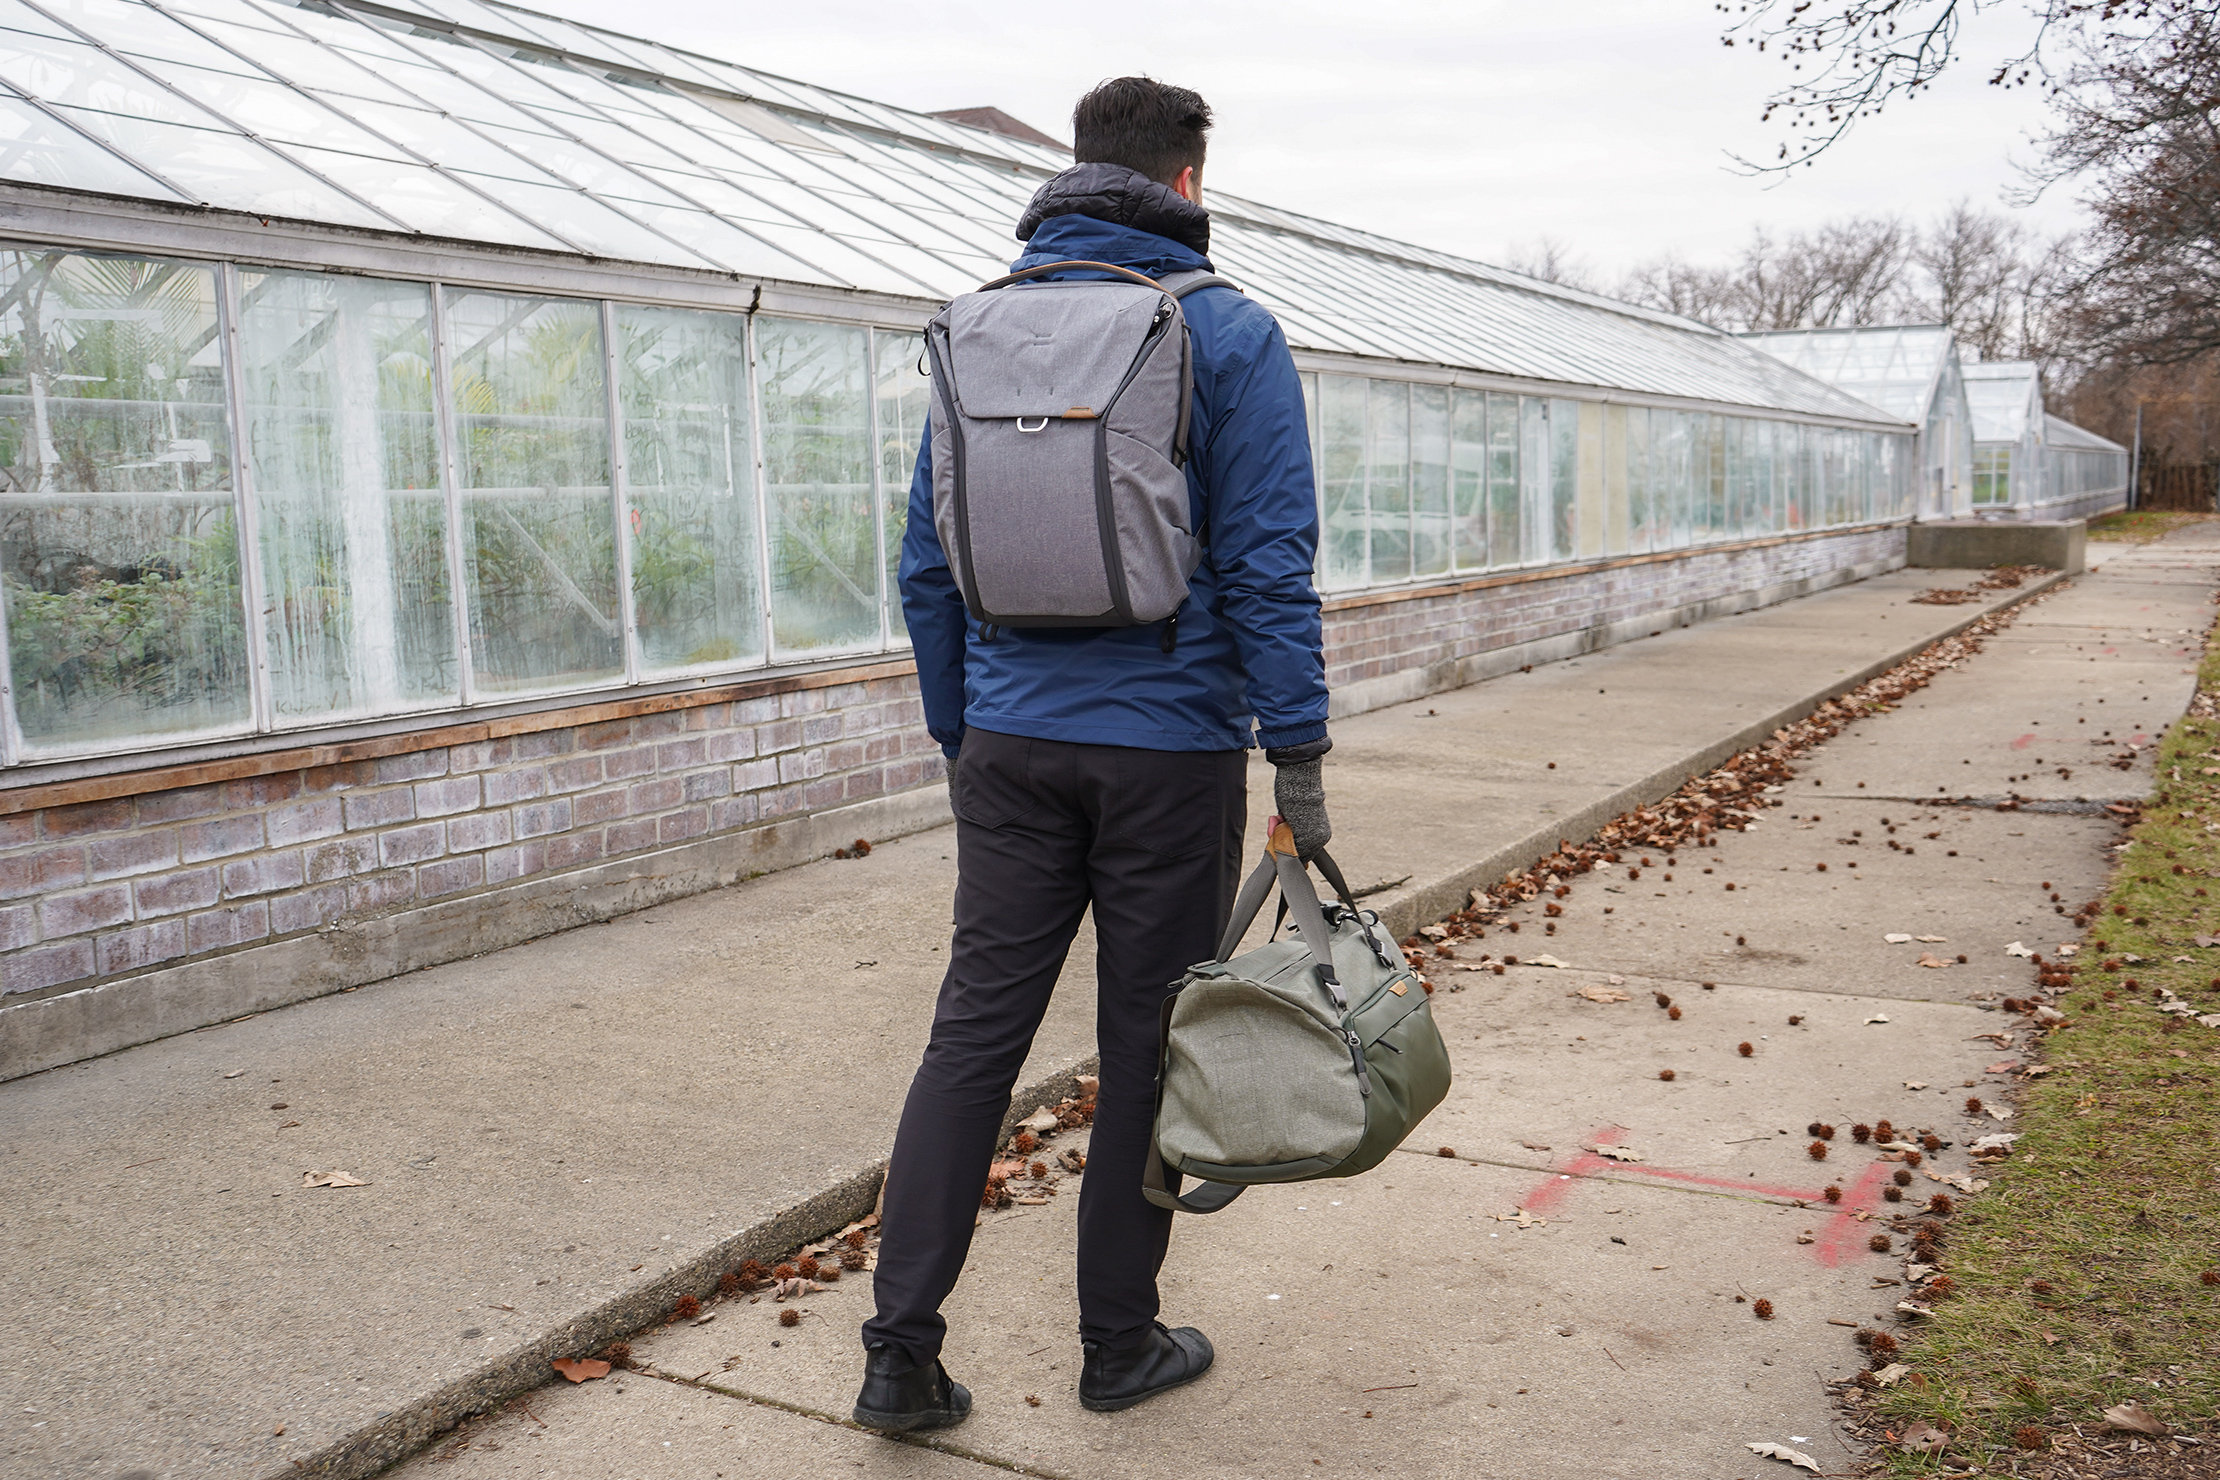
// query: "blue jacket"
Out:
[1248,654]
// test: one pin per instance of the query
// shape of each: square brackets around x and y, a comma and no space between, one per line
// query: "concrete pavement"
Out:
[559,1139]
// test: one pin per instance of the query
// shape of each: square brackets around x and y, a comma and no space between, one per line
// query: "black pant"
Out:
[1150,838]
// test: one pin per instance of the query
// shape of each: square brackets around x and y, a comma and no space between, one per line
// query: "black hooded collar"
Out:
[1113,193]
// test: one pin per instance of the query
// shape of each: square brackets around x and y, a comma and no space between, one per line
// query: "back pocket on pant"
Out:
[1173,803]
[990,786]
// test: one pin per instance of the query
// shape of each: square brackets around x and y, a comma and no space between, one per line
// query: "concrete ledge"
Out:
[1976,544]
[1404,911]
[87,1021]
[400,1433]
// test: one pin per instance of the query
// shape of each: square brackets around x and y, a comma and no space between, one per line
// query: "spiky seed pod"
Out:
[2031,1437]
[1745,1049]
[1893,1194]
[1662,999]
[751,1272]
[1861,1133]
[1666,1075]
[1795,1018]
[1902,1178]
[1973,1104]
[785,1272]
[1038,1171]
[806,1266]
[1817,1151]
[1449,1152]
[1863,1336]
[1941,1286]
[688,1307]
[1763,1310]
[858,1237]
[790,1317]
[728,1283]
[1879,1243]
[1023,1143]
[1812,1129]
[1673,1013]
[853,1260]
[1825,1132]
[1931,1142]
[1883,1131]
[1941,1205]
[2045,1287]
[617,1354]
[1913,1158]
[1832,1194]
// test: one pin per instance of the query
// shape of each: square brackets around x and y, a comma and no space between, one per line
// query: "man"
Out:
[1091,766]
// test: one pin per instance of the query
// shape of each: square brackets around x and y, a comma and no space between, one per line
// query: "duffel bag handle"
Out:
[1282,866]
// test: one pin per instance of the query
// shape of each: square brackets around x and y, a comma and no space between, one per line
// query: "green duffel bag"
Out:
[1301,1059]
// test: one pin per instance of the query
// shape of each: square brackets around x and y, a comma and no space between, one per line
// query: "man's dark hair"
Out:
[1143,124]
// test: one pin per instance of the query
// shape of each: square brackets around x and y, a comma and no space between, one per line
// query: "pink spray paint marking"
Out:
[1844,1233]
[2023,742]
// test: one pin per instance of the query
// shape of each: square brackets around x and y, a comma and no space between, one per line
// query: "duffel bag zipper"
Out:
[1356,1057]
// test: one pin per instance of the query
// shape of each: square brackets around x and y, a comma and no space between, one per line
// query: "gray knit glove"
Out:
[1299,795]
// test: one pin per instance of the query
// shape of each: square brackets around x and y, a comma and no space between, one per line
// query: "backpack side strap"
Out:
[1180,284]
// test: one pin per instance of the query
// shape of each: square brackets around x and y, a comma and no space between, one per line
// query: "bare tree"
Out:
[1972,272]
[1845,272]
[1692,290]
[1553,261]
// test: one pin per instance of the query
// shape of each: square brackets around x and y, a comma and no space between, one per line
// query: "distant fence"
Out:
[2191,486]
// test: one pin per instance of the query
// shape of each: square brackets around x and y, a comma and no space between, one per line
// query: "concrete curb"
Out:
[415,1425]
[1421,903]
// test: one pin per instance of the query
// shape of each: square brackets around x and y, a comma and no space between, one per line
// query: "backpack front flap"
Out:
[1056,492]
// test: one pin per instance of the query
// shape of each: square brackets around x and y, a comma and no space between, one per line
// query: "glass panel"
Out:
[119,546]
[227,170]
[1468,478]
[1506,544]
[37,150]
[83,76]
[1681,474]
[817,477]
[905,396]
[1564,477]
[689,450]
[349,505]
[539,533]
[1638,473]
[425,199]
[1345,537]
[1430,523]
[1388,480]
[270,110]
[584,222]
[1534,493]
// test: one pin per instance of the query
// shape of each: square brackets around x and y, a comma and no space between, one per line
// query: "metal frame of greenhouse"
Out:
[2029,464]
[452,454]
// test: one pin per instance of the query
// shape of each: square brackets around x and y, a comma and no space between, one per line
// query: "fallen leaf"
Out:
[1932,940]
[2004,1066]
[1040,1122]
[1616,981]
[1795,1457]
[2002,1141]
[2134,960]
[2069,948]
[1923,1438]
[2048,1014]
[1879,1017]
[2016,949]
[1911,1309]
[1602,994]
[1521,1217]
[234,1074]
[1805,1237]
[1897,938]
[1952,1179]
[1915,1084]
[2132,1417]
[1892,1374]
[1931,961]
[1997,1112]
[2208,941]
[1616,1153]
[1533,1145]
[1541,961]
[331,1179]
[1434,932]
[581,1369]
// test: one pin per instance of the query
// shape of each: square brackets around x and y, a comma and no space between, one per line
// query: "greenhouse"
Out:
[1910,371]
[450,451]
[2028,463]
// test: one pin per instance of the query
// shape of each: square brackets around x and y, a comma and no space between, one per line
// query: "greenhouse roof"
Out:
[479,122]
[1893,366]
[2006,396]
[2061,433]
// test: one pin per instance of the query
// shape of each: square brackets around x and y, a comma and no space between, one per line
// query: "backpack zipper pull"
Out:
[1170,639]
[1356,1057]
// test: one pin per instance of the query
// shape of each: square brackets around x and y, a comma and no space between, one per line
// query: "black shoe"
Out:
[901,1398]
[1109,1381]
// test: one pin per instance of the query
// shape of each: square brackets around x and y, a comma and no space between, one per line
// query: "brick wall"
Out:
[178,907]
[107,887]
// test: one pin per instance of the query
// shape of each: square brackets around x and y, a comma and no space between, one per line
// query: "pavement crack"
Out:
[834,1420]
[1646,1182]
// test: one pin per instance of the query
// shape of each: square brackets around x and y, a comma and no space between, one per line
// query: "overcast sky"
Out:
[1474,126]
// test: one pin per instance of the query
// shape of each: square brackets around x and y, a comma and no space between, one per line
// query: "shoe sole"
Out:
[910,1423]
[1116,1405]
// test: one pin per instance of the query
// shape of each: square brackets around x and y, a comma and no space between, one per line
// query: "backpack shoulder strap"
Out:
[1180,284]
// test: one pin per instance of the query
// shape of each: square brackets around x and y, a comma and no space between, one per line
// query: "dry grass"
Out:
[2141,526]
[2080,1272]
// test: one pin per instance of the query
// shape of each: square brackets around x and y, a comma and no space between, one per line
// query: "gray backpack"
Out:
[1059,440]
[1300,1059]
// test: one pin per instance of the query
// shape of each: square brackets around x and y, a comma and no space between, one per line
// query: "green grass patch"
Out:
[2141,526]
[2081,1272]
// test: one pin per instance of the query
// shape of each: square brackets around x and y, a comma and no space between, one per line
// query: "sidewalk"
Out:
[561,1138]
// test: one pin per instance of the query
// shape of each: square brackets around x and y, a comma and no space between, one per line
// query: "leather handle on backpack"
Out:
[1019,277]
